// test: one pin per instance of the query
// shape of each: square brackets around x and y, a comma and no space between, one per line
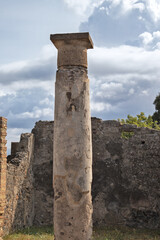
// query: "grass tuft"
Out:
[46,233]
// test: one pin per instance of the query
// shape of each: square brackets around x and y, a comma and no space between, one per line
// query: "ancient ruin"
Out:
[72,170]
[125,188]
[3,166]
[126,162]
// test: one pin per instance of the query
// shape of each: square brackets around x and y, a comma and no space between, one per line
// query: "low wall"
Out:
[126,180]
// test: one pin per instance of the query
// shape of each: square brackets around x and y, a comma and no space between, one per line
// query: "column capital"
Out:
[79,39]
[72,48]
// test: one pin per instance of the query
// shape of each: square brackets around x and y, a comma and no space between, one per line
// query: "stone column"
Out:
[72,168]
[3,168]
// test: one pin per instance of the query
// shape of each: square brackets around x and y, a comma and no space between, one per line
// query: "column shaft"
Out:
[72,146]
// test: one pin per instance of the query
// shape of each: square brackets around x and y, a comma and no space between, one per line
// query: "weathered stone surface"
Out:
[3,166]
[43,173]
[72,171]
[125,175]
[14,148]
[19,210]
[126,179]
[72,48]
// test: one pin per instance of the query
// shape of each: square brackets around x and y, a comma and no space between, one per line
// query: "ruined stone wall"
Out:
[19,211]
[43,173]
[3,164]
[126,183]
[126,179]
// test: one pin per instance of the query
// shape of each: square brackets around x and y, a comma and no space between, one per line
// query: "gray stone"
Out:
[72,171]
[126,179]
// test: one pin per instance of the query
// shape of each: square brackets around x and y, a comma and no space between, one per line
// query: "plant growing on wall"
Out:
[127,135]
[141,121]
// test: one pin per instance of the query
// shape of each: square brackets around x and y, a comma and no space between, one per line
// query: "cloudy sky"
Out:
[124,67]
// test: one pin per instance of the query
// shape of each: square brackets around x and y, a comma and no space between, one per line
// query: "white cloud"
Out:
[14,66]
[110,88]
[46,101]
[30,73]
[100,106]
[128,5]
[116,74]
[124,6]
[124,80]
[36,113]
[27,92]
[148,9]
[150,40]
[122,77]
[158,45]
[2,93]
[156,35]
[123,60]
[28,85]
[83,7]
[102,8]
[145,92]
[153,7]
[78,6]
[131,91]
[146,38]
[48,52]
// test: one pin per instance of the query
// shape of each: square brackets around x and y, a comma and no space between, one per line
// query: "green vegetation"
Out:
[141,121]
[33,233]
[125,234]
[46,233]
[127,135]
[156,114]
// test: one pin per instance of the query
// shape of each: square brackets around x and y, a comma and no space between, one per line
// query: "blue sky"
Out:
[124,67]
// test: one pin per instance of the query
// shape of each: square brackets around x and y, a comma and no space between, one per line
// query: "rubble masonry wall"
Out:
[3,166]
[126,180]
